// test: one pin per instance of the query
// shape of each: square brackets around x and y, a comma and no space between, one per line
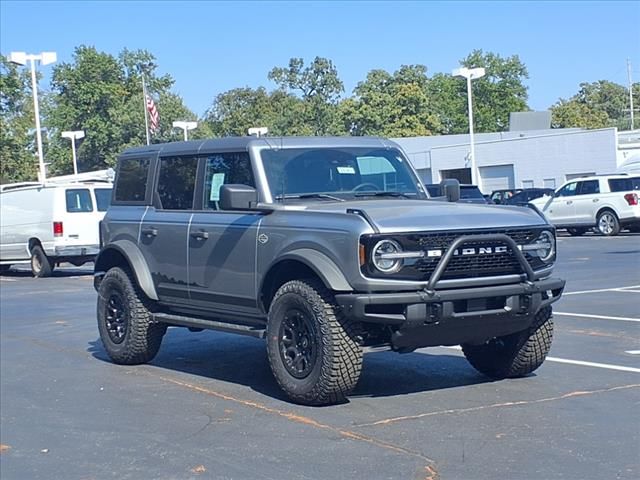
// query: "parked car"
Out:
[45,224]
[525,195]
[322,246]
[468,193]
[607,202]
[501,196]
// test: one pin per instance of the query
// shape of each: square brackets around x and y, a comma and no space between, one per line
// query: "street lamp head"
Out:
[19,58]
[73,135]
[48,57]
[185,125]
[470,73]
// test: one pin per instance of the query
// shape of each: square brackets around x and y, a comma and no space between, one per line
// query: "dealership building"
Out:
[521,159]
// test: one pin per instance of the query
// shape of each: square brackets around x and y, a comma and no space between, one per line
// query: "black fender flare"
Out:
[132,254]
[322,265]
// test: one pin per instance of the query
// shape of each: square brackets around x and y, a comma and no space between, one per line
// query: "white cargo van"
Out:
[47,224]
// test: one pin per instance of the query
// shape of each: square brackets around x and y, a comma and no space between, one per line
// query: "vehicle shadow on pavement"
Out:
[243,360]
[63,273]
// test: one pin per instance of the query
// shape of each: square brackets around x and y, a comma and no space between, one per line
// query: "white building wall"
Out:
[538,158]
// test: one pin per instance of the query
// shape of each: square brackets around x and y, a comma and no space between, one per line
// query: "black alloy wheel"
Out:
[298,345]
[116,318]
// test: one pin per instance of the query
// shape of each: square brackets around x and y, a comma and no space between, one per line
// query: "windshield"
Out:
[338,173]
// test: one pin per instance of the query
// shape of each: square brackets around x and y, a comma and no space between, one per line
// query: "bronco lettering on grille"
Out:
[471,251]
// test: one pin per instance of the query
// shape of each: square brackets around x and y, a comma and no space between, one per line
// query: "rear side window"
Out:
[624,184]
[225,168]
[588,187]
[176,182]
[103,198]
[131,183]
[78,200]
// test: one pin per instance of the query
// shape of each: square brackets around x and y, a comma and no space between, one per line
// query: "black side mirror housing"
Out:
[238,197]
[450,188]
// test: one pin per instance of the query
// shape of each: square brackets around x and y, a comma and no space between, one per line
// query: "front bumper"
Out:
[452,317]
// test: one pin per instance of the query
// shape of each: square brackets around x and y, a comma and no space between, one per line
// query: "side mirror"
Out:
[238,197]
[451,189]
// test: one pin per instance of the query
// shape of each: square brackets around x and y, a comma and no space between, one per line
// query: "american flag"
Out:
[154,118]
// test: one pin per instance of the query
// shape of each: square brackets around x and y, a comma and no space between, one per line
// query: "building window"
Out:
[549,183]
[527,184]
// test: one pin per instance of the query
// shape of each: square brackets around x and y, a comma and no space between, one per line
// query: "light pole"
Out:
[21,58]
[471,74]
[73,136]
[185,126]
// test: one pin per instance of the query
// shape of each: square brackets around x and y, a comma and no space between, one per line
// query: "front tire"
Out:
[514,355]
[41,265]
[313,349]
[125,322]
[608,223]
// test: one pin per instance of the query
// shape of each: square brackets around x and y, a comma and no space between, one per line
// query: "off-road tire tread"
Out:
[529,350]
[341,351]
[144,335]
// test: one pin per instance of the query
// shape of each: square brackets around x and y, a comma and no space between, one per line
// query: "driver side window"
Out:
[568,190]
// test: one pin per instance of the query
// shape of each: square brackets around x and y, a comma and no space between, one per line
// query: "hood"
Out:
[402,215]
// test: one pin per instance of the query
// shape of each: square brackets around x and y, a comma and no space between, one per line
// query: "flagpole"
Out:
[146,112]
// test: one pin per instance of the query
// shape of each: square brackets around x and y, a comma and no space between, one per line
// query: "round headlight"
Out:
[383,255]
[544,247]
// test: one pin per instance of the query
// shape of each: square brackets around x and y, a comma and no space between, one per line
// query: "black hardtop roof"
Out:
[244,143]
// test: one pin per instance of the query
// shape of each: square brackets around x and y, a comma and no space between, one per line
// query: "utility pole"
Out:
[630,91]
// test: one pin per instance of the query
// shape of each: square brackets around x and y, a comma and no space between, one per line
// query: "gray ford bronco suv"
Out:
[325,247]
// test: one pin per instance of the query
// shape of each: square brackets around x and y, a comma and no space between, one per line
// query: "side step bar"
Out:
[194,322]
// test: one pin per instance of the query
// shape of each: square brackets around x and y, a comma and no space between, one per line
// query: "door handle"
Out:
[201,235]
[569,202]
[150,232]
[595,200]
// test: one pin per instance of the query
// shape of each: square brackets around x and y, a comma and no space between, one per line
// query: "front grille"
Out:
[463,266]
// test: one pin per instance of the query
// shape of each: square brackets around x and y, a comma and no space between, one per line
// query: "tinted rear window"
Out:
[470,192]
[103,198]
[624,184]
[131,184]
[78,200]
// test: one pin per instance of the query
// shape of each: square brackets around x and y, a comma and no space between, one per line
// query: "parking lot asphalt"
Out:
[208,407]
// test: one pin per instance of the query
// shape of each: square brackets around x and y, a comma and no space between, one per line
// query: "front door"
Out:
[586,201]
[165,226]
[561,209]
[222,244]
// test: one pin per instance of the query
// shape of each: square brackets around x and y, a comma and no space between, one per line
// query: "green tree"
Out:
[102,95]
[319,87]
[497,94]
[17,151]
[389,105]
[575,114]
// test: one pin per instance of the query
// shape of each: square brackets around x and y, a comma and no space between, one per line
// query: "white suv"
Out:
[607,202]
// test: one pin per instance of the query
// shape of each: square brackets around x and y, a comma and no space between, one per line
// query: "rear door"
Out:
[79,217]
[222,244]
[164,228]
[560,209]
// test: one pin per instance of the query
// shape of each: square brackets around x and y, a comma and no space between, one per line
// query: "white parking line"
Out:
[593,364]
[598,317]
[4,279]
[607,366]
[616,289]
[633,352]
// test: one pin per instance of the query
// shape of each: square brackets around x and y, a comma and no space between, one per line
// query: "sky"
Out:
[211,47]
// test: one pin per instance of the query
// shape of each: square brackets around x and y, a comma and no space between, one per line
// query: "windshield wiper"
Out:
[382,194]
[311,195]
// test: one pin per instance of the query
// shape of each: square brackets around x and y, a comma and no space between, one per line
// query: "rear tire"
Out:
[608,223]
[514,355]
[125,322]
[576,232]
[313,349]
[41,265]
